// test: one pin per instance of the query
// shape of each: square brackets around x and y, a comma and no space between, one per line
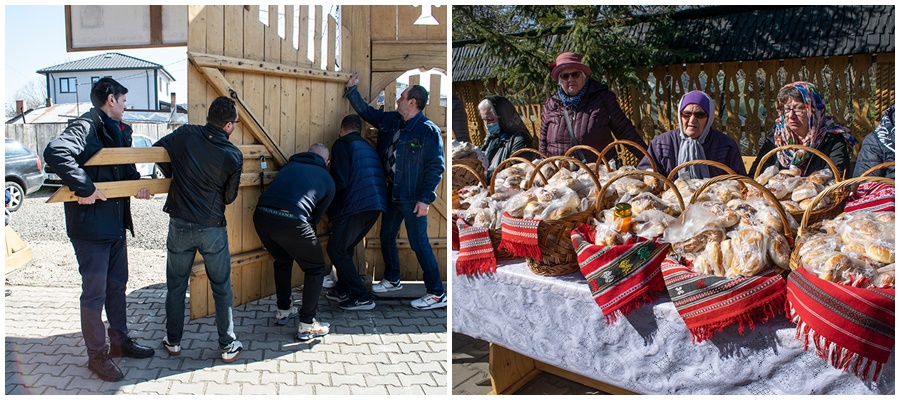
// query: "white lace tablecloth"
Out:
[556,321]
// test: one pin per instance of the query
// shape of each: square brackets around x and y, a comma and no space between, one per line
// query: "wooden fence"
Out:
[36,136]
[857,90]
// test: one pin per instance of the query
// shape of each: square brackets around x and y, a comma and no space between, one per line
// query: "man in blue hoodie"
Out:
[286,217]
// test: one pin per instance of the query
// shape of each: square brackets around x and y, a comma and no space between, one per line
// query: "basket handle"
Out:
[752,182]
[577,147]
[524,150]
[767,156]
[877,167]
[503,165]
[537,170]
[711,163]
[472,171]
[629,143]
[655,174]
[835,187]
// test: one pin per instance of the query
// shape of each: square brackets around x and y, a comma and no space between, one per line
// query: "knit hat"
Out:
[568,60]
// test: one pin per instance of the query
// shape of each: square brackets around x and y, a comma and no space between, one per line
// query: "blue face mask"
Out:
[493,129]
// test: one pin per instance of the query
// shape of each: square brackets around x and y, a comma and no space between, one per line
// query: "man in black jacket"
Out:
[97,229]
[361,196]
[206,173]
[286,216]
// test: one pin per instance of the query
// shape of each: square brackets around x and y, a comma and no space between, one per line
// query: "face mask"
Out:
[494,128]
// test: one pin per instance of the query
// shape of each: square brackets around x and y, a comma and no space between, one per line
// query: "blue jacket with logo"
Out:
[419,150]
[358,177]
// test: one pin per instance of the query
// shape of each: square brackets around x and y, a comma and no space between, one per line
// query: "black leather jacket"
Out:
[206,173]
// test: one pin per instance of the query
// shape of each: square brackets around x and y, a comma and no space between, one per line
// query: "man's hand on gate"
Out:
[97,195]
[143,194]
[421,209]
[354,79]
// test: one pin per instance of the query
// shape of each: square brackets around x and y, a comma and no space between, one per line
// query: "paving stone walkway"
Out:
[392,349]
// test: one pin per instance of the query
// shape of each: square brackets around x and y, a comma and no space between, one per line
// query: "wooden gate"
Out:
[289,101]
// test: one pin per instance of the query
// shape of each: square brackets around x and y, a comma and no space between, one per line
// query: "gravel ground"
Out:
[53,264]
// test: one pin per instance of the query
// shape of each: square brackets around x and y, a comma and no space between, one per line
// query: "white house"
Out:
[147,82]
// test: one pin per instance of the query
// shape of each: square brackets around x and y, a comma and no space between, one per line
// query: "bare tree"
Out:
[34,94]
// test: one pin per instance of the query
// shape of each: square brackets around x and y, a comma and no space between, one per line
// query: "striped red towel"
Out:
[708,303]
[622,277]
[520,237]
[852,328]
[872,197]
[476,254]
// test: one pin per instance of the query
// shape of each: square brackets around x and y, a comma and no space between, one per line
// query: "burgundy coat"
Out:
[597,115]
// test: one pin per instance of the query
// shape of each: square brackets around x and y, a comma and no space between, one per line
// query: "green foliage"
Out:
[519,42]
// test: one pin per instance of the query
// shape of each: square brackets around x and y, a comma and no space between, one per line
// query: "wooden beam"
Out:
[379,81]
[156,25]
[220,84]
[440,205]
[406,55]
[131,155]
[403,243]
[155,186]
[268,68]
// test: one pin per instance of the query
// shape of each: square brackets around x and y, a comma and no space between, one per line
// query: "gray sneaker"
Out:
[386,286]
[308,332]
[230,353]
[282,316]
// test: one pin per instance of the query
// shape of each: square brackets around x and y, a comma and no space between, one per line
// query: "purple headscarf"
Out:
[692,149]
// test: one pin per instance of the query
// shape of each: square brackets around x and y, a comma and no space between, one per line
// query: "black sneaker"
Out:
[105,368]
[333,294]
[357,304]
[130,348]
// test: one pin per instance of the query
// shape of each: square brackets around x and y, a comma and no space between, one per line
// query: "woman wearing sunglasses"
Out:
[802,120]
[694,139]
[583,111]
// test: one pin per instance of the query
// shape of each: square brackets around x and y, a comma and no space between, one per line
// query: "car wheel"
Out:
[157,173]
[17,195]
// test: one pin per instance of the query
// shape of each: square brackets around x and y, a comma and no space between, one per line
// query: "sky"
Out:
[35,38]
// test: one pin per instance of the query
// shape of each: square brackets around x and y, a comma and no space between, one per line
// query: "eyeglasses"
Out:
[695,114]
[797,110]
[573,75]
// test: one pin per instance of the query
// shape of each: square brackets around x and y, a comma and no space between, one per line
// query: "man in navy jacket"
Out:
[96,225]
[412,153]
[286,217]
[361,196]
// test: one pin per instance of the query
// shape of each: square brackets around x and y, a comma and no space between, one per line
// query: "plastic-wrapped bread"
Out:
[725,217]
[605,235]
[748,246]
[822,177]
[884,276]
[779,250]
[727,258]
[841,268]
[651,223]
[881,251]
[806,190]
[811,246]
[698,243]
[649,201]
[767,174]
[714,255]
[783,188]
[791,207]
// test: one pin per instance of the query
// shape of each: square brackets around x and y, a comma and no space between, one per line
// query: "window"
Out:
[67,85]
[94,80]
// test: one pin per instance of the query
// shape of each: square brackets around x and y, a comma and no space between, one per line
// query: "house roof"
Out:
[106,61]
[62,113]
[732,33]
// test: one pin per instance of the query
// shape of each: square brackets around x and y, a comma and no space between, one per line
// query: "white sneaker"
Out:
[430,301]
[231,352]
[173,349]
[282,316]
[330,281]
[309,331]
[386,286]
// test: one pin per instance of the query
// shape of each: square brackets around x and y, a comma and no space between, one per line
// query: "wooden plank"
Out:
[359,26]
[287,139]
[233,17]
[237,260]
[156,186]
[406,55]
[380,81]
[131,155]
[215,29]
[509,371]
[272,51]
[317,38]
[406,16]
[601,386]
[268,68]
[331,40]
[403,242]
[317,113]
[303,36]
[440,12]
[288,53]
[304,105]
[384,22]
[251,282]
[18,253]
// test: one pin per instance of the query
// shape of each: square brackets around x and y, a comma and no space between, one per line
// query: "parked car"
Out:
[146,169]
[24,174]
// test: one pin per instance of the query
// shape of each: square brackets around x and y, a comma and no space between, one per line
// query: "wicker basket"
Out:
[840,197]
[554,235]
[496,233]
[606,202]
[624,155]
[537,153]
[710,163]
[806,223]
[878,167]
[765,192]
[467,172]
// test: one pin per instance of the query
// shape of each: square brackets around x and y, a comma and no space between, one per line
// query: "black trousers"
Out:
[289,240]
[346,233]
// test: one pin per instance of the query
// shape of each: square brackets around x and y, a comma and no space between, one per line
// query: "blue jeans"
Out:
[417,231]
[103,265]
[184,241]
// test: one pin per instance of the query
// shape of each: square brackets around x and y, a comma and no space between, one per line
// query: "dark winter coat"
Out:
[718,147]
[833,146]
[358,177]
[303,187]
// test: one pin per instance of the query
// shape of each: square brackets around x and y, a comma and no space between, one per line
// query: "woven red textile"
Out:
[852,328]
[520,237]
[872,197]
[708,303]
[476,254]
[622,277]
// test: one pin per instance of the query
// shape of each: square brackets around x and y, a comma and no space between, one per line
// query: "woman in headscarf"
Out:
[583,111]
[694,140]
[802,120]
[878,147]
[506,131]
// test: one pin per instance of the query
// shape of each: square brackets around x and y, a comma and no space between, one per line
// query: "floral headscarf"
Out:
[820,124]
